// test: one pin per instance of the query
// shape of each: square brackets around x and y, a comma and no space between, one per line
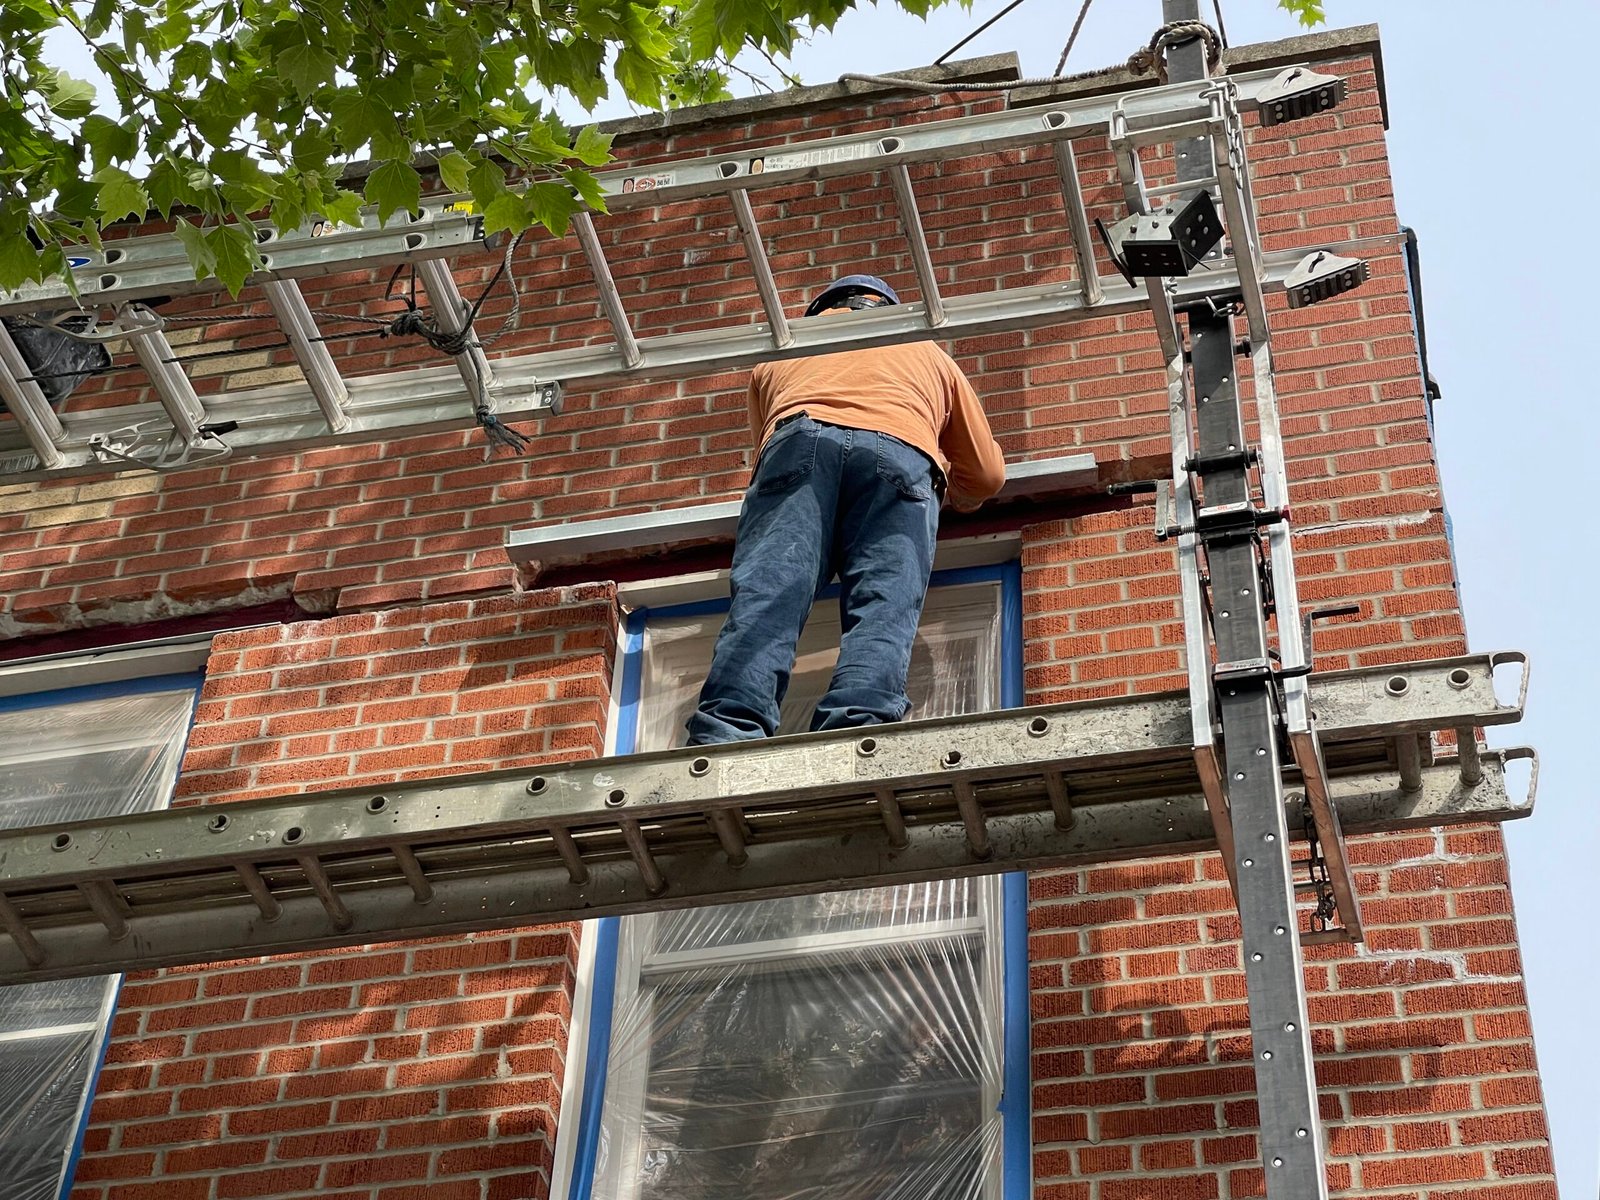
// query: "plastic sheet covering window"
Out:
[846,1046]
[70,762]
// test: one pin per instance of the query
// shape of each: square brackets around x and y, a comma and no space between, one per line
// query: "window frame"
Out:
[600,985]
[117,675]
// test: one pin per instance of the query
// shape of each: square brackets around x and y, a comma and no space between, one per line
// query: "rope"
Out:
[1171,34]
[424,323]
[1143,61]
[1073,36]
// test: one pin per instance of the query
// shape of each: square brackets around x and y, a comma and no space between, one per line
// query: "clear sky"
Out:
[1488,106]
[1487,109]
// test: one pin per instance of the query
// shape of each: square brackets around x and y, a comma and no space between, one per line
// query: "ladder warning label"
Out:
[647,183]
[812,158]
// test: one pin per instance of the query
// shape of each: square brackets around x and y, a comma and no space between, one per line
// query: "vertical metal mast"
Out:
[1227,522]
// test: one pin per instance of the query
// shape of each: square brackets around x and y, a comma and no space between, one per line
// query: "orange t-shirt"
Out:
[913,392]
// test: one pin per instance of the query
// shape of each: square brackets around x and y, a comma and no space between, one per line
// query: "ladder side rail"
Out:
[1233,178]
[921,257]
[26,403]
[1197,653]
[203,915]
[310,351]
[1066,164]
[1232,172]
[1293,653]
[761,267]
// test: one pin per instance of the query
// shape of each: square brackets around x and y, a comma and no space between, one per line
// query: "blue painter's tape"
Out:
[102,691]
[1016,1158]
[598,1060]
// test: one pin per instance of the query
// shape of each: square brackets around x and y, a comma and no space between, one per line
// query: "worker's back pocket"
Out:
[788,457]
[907,468]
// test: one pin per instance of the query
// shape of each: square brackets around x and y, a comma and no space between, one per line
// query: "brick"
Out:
[1438,1168]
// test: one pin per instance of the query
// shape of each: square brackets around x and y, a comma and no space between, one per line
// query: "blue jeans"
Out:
[824,500]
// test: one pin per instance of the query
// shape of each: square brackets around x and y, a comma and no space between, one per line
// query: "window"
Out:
[72,755]
[867,1045]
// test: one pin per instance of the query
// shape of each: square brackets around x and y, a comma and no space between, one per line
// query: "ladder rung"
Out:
[310,351]
[317,876]
[1468,757]
[1408,754]
[412,870]
[27,404]
[730,835]
[156,356]
[756,252]
[972,819]
[649,871]
[266,903]
[610,301]
[577,870]
[450,311]
[27,944]
[894,821]
[1066,160]
[103,900]
[921,258]
[1060,799]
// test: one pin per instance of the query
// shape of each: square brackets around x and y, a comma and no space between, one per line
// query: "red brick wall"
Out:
[434,659]
[427,1069]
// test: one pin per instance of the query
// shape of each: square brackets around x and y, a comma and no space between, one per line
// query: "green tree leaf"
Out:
[19,262]
[1308,12]
[342,207]
[453,171]
[109,141]
[394,186]
[551,205]
[236,255]
[591,147]
[356,119]
[201,256]
[168,188]
[505,212]
[587,187]
[306,68]
[67,97]
[120,194]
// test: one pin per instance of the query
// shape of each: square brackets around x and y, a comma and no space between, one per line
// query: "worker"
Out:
[856,452]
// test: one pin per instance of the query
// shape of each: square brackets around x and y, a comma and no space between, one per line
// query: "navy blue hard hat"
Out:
[850,285]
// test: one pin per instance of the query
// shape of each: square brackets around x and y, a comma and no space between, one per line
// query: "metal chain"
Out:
[1327,906]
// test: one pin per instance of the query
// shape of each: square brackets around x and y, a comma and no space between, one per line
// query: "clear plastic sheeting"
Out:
[70,762]
[858,1061]
[845,1046]
[955,663]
